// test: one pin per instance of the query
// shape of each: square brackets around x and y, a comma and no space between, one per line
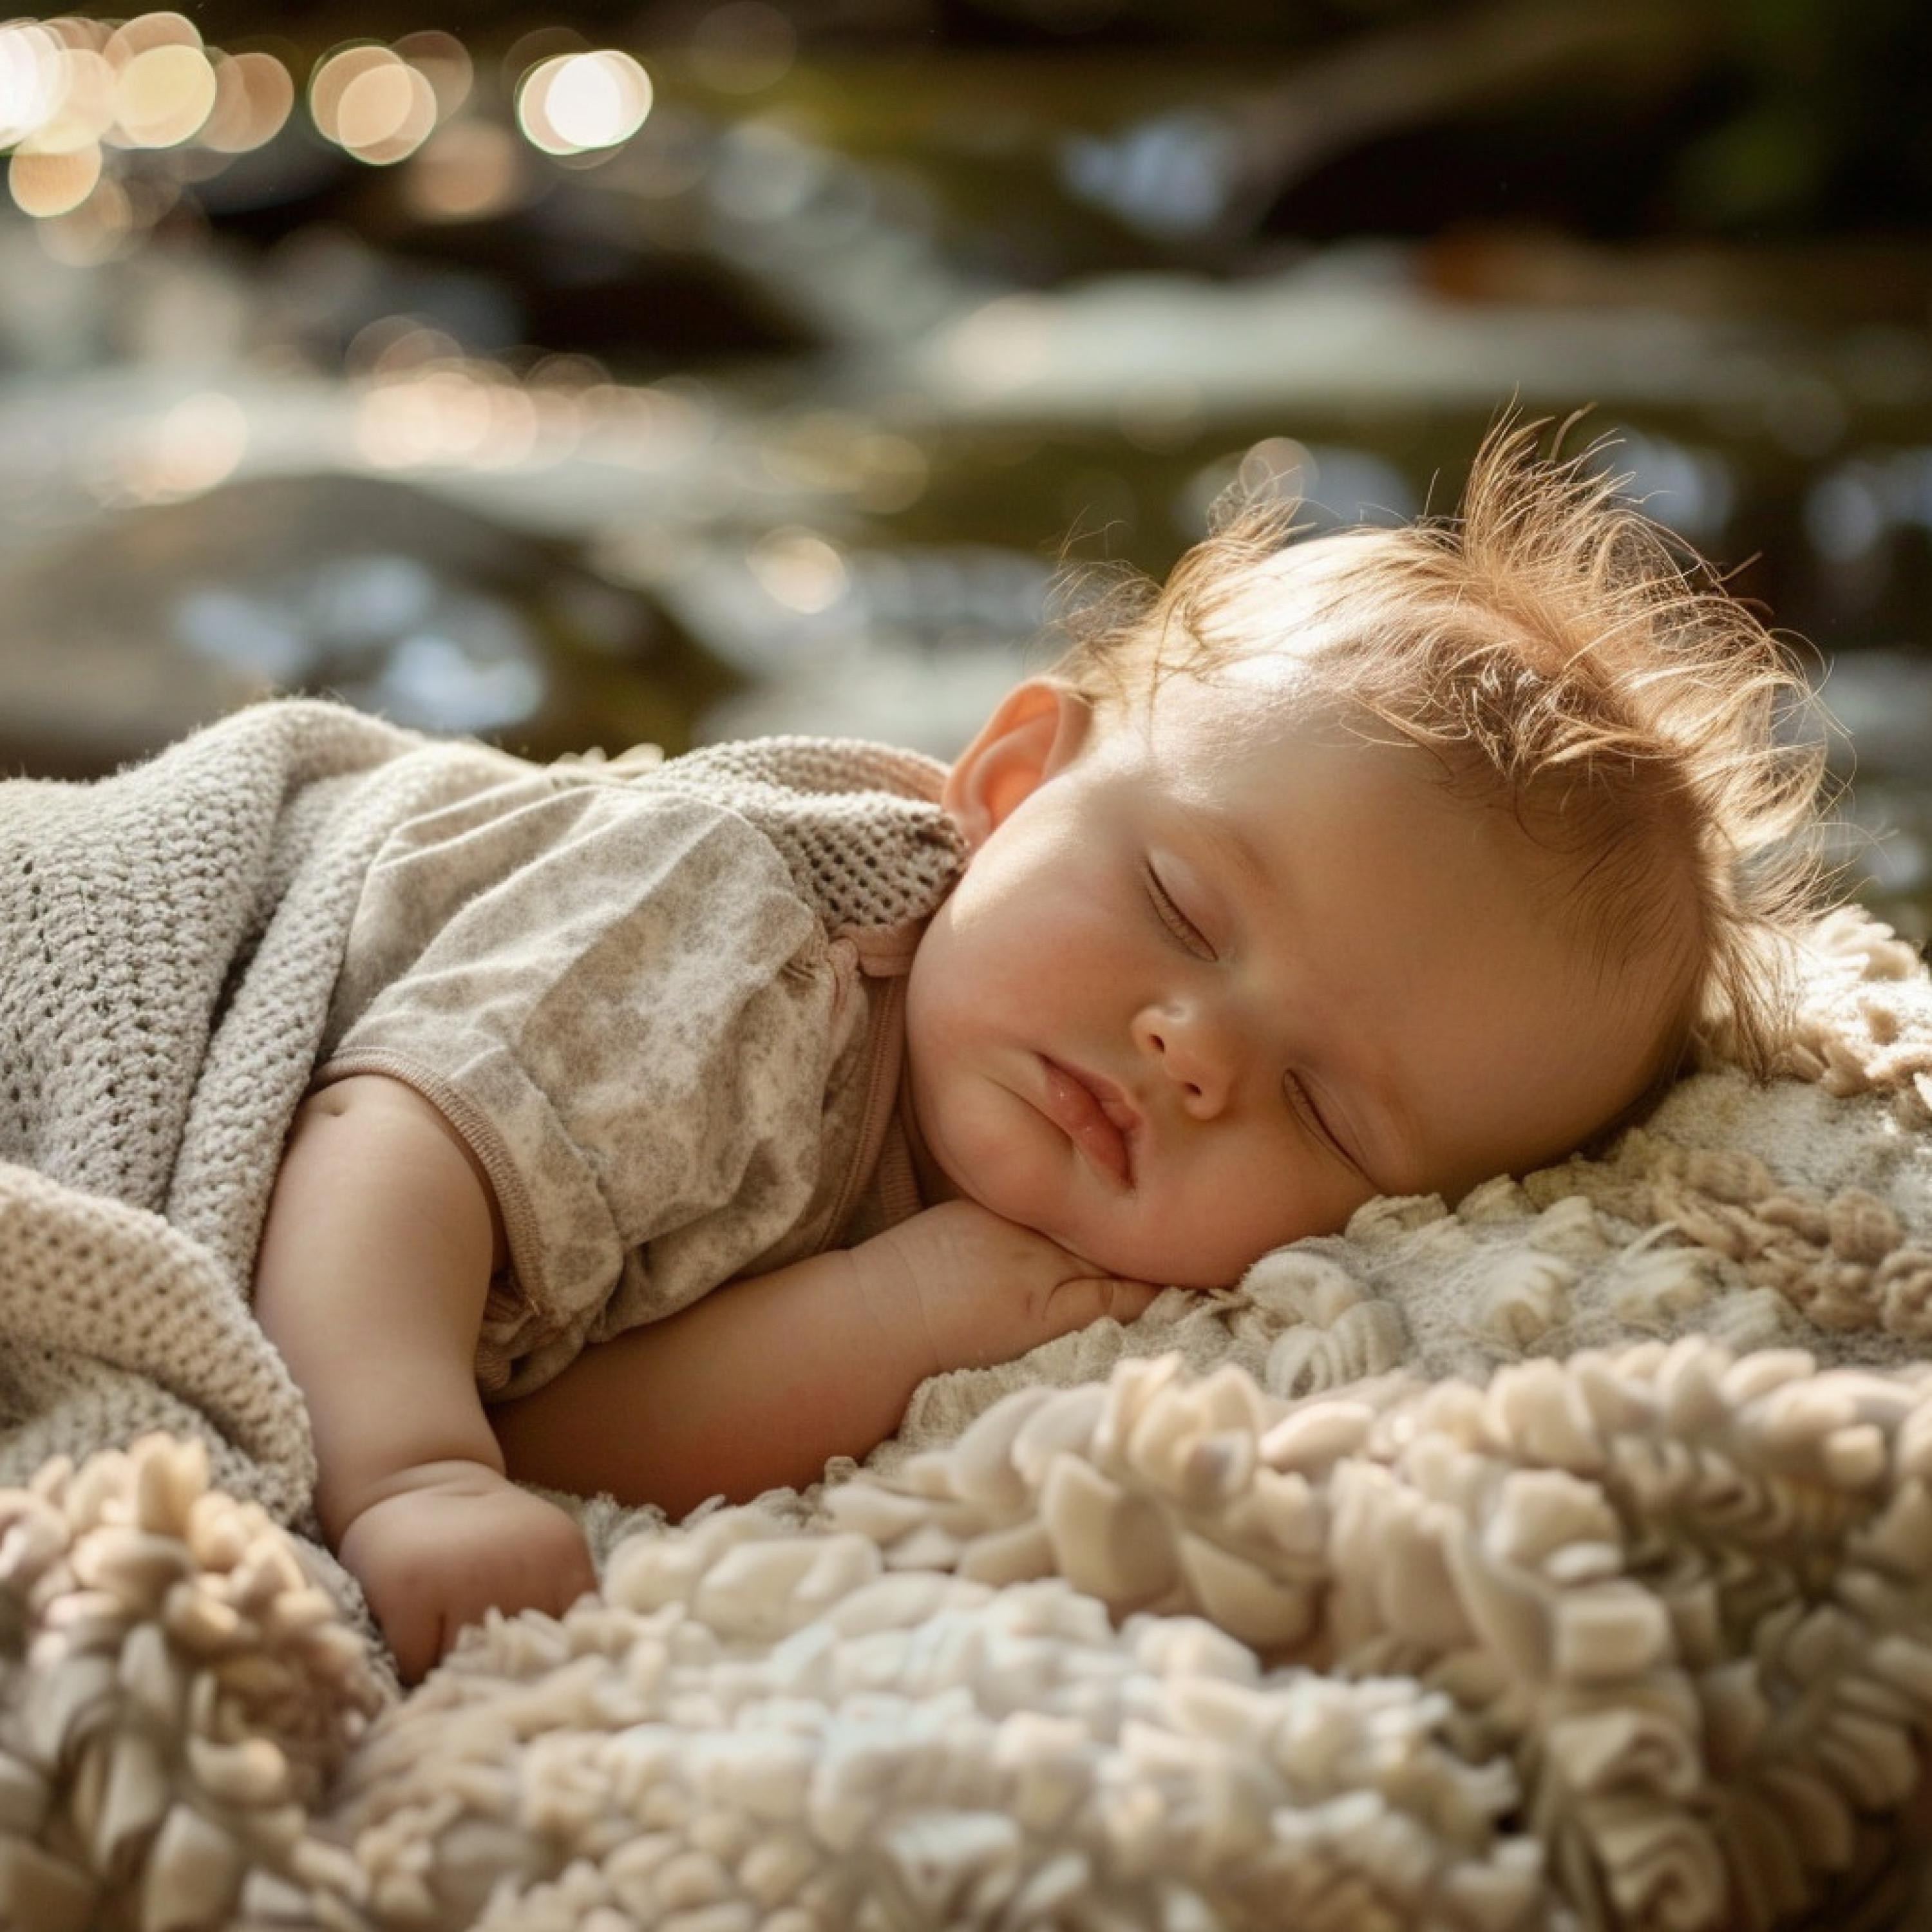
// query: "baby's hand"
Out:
[434,1557]
[988,1289]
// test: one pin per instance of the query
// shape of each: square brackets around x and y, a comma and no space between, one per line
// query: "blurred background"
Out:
[672,371]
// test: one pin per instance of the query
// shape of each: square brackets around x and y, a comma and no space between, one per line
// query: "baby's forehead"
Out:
[1250,738]
[1212,714]
[1274,691]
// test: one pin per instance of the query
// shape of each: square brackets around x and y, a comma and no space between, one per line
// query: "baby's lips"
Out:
[1074,1109]
[1114,1103]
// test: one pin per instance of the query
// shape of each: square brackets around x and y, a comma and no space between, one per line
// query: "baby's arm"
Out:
[755,1386]
[381,1238]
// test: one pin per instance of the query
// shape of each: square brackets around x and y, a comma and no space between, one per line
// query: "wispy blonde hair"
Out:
[1558,650]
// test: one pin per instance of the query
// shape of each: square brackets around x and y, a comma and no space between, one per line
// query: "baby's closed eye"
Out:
[1303,1103]
[1171,916]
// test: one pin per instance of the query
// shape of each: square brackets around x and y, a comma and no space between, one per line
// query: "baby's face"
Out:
[1216,975]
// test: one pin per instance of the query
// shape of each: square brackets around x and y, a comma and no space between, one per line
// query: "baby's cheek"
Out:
[1278,1201]
[986,1144]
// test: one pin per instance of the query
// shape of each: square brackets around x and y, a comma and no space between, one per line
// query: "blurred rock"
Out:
[119,638]
[883,687]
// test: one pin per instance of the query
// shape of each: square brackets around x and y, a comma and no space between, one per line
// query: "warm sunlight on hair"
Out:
[1553,645]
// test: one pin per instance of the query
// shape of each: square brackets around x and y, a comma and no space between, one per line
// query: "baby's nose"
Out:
[1184,1047]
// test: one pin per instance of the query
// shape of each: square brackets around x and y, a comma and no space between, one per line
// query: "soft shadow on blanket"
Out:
[1566,1560]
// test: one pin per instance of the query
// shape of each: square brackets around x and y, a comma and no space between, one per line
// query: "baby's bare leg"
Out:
[381,1238]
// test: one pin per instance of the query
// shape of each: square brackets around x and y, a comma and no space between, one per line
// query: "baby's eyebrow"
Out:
[1225,833]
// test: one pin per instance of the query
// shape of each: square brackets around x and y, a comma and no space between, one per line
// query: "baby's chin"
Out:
[1171,1262]
[1121,1255]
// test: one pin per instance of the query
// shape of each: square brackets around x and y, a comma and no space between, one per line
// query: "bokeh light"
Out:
[332,76]
[32,79]
[443,61]
[394,345]
[1278,465]
[48,184]
[86,109]
[162,95]
[147,32]
[425,403]
[70,85]
[799,569]
[465,171]
[70,88]
[582,103]
[386,113]
[367,99]
[88,36]
[195,445]
[253,97]
[1003,345]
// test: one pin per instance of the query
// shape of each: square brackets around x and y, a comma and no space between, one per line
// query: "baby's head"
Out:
[1380,863]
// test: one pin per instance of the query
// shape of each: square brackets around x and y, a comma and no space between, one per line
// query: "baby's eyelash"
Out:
[1171,916]
[1304,1103]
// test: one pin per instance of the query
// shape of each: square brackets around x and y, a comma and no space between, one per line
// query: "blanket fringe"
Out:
[1632,1637]
[1640,1640]
[176,1693]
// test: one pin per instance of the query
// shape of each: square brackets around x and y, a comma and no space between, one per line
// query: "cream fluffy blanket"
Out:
[1564,1561]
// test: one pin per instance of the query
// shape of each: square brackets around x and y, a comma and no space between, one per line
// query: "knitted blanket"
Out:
[1565,1560]
[169,941]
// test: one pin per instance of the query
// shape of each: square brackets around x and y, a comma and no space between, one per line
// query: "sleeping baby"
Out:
[674,1122]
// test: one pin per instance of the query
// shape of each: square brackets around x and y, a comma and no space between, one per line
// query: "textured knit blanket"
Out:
[1565,1560]
[169,941]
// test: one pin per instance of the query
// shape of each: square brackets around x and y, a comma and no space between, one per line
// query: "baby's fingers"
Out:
[1089,1298]
[1129,1301]
[414,1631]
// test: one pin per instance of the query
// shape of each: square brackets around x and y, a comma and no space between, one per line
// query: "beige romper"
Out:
[663,1003]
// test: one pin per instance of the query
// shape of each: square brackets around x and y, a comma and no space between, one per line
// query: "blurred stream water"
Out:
[792,455]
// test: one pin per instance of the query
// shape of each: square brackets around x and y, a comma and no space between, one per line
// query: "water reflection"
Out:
[1691,486]
[1857,506]
[1335,483]
[383,633]
[825,355]
[1170,176]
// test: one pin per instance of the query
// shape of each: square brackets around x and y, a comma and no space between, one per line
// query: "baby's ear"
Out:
[1035,731]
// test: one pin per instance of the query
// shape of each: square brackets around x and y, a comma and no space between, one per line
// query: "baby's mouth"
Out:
[1077,1110]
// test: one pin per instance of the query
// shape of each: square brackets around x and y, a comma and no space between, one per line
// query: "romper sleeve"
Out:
[616,995]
